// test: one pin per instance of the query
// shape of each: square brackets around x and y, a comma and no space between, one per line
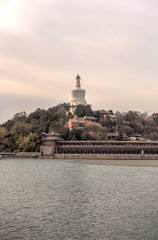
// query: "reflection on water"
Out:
[56,199]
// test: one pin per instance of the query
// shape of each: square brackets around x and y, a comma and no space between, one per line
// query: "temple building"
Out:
[77,95]
[79,123]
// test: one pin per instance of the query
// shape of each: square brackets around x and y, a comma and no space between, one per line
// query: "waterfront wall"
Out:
[100,156]
[21,155]
[80,156]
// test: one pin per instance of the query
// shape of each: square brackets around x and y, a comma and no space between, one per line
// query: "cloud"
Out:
[112,44]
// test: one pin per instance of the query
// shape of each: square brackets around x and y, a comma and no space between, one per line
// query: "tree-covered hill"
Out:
[23,132]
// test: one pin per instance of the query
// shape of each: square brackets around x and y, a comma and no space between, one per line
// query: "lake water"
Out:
[60,200]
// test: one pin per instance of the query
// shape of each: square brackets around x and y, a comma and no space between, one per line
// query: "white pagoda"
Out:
[77,96]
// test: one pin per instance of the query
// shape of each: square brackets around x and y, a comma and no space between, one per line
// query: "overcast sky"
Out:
[113,45]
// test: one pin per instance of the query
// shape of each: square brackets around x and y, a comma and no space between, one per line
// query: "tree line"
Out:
[23,132]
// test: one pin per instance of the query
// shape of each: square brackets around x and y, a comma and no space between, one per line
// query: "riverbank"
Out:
[97,157]
[130,163]
[20,155]
[105,156]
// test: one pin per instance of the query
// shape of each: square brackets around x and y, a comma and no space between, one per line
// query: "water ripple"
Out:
[55,199]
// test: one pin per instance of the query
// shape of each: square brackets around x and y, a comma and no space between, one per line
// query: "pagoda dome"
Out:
[78,94]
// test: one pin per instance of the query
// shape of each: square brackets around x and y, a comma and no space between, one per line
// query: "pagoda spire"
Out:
[78,83]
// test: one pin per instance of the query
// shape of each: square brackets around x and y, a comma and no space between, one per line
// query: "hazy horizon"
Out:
[111,44]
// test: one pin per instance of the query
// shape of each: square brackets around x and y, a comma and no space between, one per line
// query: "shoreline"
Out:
[103,157]
[109,160]
[125,163]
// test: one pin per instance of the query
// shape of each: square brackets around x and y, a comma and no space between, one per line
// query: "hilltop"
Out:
[23,132]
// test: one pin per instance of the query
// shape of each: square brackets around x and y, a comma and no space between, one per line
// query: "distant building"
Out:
[79,123]
[104,114]
[77,96]
[136,137]
[114,137]
[90,118]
